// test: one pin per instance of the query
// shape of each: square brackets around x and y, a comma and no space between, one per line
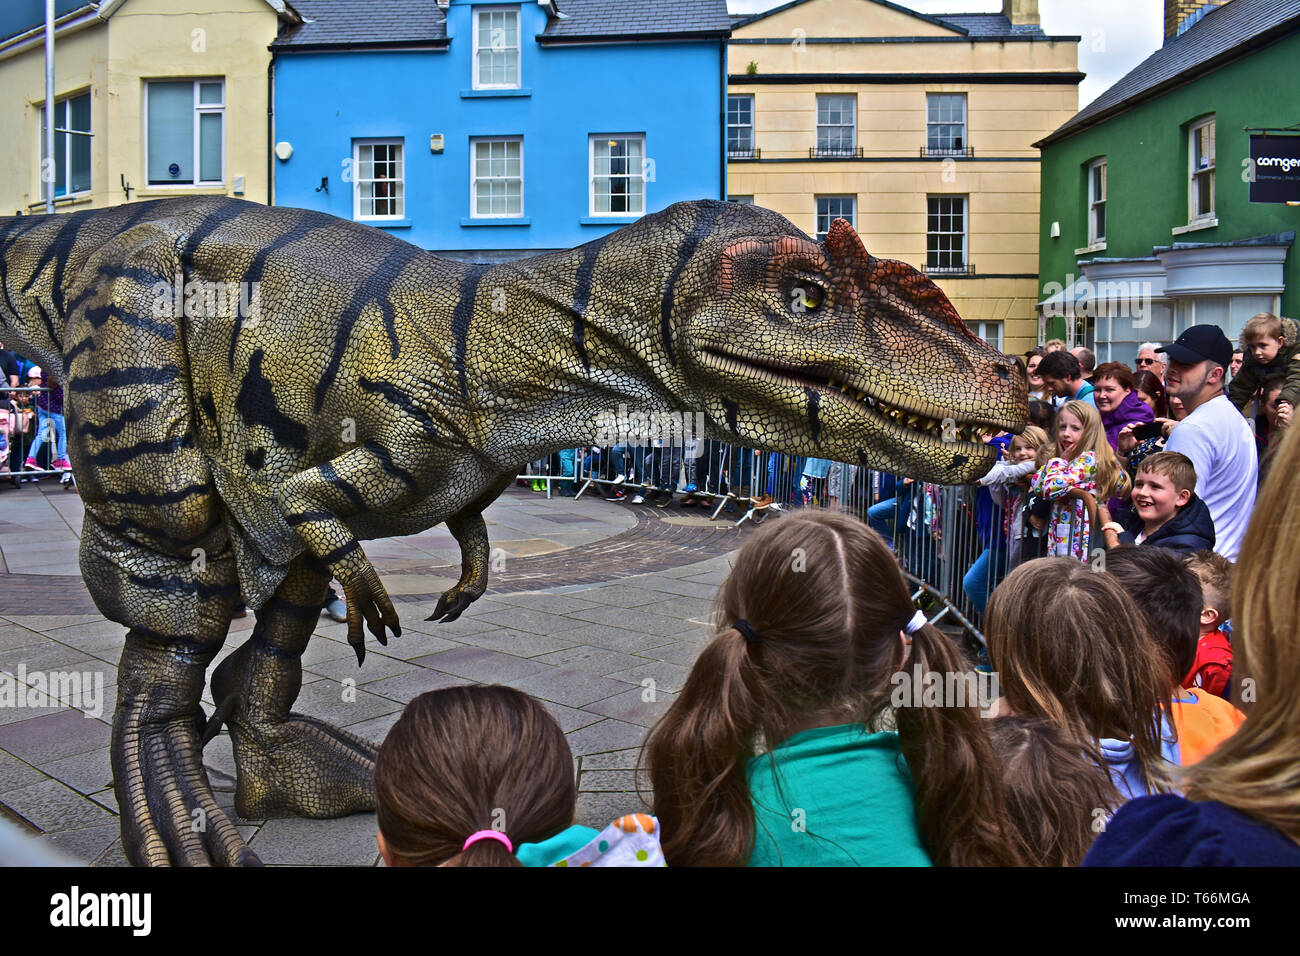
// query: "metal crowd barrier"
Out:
[953,542]
[18,408]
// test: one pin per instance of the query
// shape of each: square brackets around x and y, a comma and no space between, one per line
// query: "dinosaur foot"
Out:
[302,767]
[452,604]
[169,815]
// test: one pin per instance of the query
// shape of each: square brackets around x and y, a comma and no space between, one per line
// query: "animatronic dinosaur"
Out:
[362,387]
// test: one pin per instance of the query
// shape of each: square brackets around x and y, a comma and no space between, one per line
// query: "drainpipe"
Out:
[722,176]
[48,172]
[270,130]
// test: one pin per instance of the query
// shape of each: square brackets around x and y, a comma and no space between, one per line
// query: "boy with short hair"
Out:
[1166,594]
[1166,512]
[1272,347]
[1212,668]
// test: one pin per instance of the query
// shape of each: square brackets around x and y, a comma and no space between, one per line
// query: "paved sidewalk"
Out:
[599,611]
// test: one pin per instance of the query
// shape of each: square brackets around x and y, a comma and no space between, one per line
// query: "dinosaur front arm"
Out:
[315,502]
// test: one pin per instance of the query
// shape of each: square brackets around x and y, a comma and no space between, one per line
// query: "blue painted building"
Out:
[488,130]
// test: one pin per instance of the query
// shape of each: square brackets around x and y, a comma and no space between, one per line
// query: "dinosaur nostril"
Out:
[1004,373]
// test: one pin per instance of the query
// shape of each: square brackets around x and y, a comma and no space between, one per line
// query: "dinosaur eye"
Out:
[805,297]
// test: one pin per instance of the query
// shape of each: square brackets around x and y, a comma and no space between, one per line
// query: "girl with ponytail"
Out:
[483,776]
[783,747]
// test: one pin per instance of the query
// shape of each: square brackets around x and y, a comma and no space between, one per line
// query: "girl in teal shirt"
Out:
[816,631]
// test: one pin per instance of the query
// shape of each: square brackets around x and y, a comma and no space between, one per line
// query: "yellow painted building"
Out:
[917,128]
[153,98]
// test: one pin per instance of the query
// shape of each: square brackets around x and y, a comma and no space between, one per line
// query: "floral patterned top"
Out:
[1068,529]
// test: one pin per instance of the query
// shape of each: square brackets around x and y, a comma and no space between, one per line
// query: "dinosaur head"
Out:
[823,349]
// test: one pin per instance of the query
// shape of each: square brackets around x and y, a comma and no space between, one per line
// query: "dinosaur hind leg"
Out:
[289,764]
[178,619]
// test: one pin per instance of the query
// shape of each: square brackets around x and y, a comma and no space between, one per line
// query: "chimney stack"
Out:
[1021,12]
[1180,14]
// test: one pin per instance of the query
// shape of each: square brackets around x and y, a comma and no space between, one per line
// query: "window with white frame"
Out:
[945,234]
[617,175]
[496,48]
[1200,153]
[740,126]
[377,180]
[1097,201]
[837,124]
[71,172]
[497,179]
[990,332]
[945,123]
[186,132]
[830,208]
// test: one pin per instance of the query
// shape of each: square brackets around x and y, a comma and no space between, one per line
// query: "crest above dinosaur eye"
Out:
[806,296]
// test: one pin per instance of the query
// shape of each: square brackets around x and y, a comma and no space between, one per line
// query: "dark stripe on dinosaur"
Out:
[98,316]
[257,406]
[123,525]
[120,377]
[173,585]
[128,417]
[112,271]
[339,553]
[329,474]
[402,400]
[732,409]
[120,456]
[81,298]
[375,288]
[164,498]
[209,407]
[386,462]
[278,605]
[257,268]
[60,250]
[87,343]
[27,223]
[255,459]
[814,404]
[703,225]
[205,228]
[460,321]
[582,296]
[307,517]
[45,317]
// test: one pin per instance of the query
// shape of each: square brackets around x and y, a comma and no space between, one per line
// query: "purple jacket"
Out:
[1132,409]
[51,401]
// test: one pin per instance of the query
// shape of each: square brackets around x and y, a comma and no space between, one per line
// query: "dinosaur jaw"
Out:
[894,430]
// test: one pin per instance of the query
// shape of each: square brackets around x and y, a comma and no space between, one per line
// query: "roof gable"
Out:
[847,18]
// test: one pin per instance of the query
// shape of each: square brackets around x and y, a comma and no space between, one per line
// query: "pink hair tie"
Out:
[488,835]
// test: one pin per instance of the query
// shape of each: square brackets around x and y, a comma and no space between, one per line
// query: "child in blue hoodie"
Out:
[1068,650]
[483,776]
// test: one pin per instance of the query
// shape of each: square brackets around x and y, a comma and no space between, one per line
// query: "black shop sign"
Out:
[1275,164]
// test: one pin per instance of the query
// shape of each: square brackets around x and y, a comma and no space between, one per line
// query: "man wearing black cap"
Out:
[1213,435]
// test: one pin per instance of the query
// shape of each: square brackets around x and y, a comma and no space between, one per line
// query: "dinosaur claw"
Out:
[439,610]
[361,653]
[248,858]
[219,716]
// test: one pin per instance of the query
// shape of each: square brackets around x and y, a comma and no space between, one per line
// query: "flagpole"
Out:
[48,172]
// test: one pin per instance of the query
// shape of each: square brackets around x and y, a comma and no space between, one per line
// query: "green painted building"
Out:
[1147,221]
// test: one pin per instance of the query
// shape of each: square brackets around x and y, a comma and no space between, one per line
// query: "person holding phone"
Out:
[1117,400]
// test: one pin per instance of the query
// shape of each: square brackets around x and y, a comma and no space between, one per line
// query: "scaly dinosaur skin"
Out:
[379,390]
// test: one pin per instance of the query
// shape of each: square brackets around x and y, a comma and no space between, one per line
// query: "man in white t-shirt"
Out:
[1214,435]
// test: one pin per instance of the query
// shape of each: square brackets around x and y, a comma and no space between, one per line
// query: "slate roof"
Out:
[358,22]
[984,25]
[608,18]
[1213,39]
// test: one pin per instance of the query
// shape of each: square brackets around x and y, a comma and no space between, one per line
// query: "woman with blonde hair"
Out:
[1079,459]
[1242,802]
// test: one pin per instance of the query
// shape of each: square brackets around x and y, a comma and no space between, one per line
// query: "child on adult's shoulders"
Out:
[1272,346]
[1212,668]
[1166,512]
